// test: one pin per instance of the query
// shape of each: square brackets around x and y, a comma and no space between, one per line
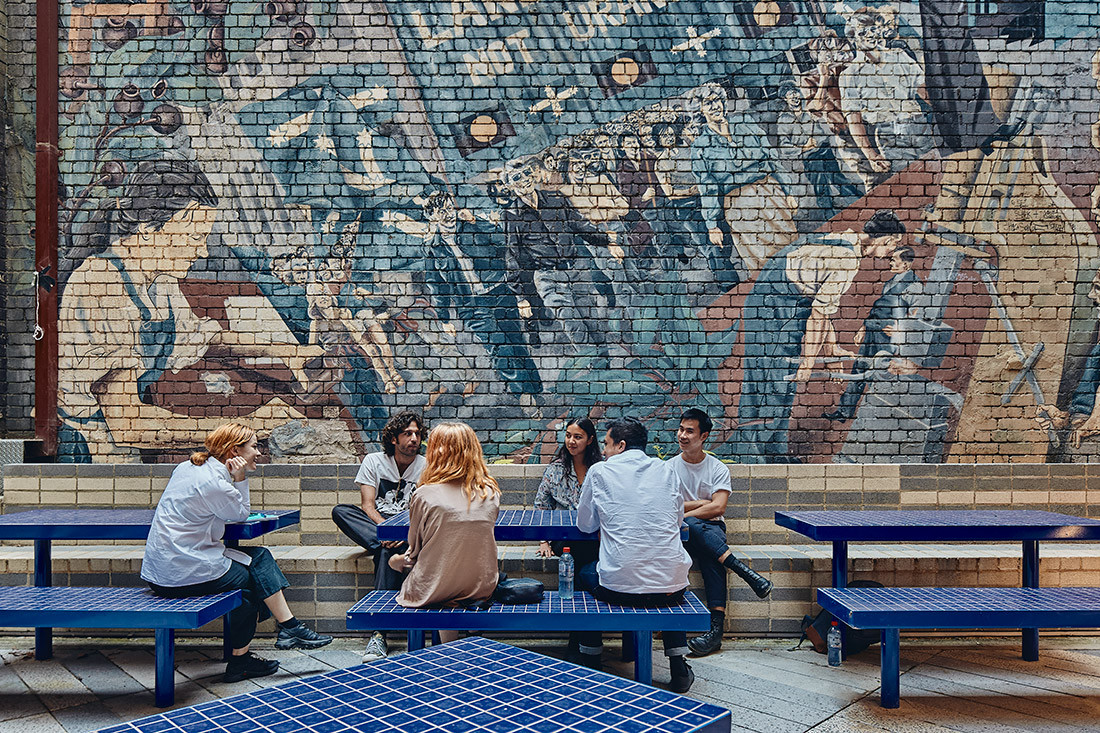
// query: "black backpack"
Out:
[855,640]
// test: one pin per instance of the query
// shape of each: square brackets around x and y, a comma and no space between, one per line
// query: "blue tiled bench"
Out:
[117,608]
[378,611]
[893,609]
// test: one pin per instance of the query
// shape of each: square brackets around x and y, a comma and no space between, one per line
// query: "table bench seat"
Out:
[117,608]
[893,609]
[379,611]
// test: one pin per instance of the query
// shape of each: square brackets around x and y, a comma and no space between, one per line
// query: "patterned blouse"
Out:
[558,491]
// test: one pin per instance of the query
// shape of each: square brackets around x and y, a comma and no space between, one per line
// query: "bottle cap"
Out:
[565,549]
[834,622]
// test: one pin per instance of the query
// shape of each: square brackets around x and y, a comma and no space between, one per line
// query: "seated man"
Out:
[386,480]
[636,503]
[708,486]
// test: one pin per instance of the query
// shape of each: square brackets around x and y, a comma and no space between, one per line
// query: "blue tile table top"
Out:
[513,525]
[467,686]
[937,525]
[118,524]
[379,610]
[104,608]
[963,608]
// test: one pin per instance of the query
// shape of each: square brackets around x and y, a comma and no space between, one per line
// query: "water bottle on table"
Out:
[565,575]
[833,642]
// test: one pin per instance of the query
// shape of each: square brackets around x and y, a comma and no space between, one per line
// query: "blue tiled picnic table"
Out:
[513,525]
[1029,527]
[45,525]
[473,685]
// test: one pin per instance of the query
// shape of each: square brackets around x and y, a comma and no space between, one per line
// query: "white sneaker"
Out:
[376,648]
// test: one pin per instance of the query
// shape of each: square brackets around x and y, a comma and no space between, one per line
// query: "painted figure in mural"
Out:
[882,333]
[746,195]
[707,487]
[881,92]
[681,228]
[544,258]
[637,180]
[124,322]
[805,148]
[821,88]
[386,481]
[340,320]
[560,487]
[466,277]
[787,326]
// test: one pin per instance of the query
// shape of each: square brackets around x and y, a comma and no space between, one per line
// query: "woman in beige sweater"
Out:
[452,556]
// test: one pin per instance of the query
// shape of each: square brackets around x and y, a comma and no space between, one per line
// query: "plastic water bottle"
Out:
[832,641]
[565,576]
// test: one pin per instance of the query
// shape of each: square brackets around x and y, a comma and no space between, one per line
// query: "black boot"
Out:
[760,585]
[682,676]
[711,641]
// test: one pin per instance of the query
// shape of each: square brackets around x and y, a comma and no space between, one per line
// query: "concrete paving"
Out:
[964,685]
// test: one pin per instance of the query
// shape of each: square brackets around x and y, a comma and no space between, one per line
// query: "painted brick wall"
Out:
[854,234]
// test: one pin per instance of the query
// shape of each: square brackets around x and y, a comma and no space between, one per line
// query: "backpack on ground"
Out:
[855,640]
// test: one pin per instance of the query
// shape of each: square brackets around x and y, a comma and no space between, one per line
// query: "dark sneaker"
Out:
[682,679]
[300,637]
[248,666]
[377,648]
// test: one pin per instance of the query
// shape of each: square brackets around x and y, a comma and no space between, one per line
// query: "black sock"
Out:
[290,623]
[678,665]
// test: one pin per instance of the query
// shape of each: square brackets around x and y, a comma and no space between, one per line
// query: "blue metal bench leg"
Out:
[628,646]
[416,639]
[227,648]
[1031,580]
[43,578]
[890,687]
[164,690]
[643,657]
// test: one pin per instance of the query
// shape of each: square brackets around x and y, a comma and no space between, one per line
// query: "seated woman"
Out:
[184,555]
[452,555]
[561,485]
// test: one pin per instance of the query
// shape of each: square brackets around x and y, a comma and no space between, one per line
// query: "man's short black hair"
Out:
[397,425]
[906,254]
[883,223]
[705,423]
[631,431]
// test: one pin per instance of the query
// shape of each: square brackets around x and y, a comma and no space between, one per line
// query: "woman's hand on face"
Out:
[237,467]
[544,550]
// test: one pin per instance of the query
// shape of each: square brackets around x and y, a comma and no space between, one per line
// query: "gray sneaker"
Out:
[376,648]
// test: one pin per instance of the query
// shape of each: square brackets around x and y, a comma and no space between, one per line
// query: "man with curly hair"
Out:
[386,480]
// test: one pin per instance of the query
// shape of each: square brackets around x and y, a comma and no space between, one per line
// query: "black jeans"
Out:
[362,530]
[259,580]
[706,543]
[591,642]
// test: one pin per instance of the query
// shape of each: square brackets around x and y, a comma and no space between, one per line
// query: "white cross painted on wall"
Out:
[696,41]
[553,100]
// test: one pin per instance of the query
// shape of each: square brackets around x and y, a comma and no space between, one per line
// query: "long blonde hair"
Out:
[221,440]
[454,456]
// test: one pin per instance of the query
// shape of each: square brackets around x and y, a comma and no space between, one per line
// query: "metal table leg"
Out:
[643,657]
[890,669]
[840,573]
[43,578]
[1030,580]
[165,686]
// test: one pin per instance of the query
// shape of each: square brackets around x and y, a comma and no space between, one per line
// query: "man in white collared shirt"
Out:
[637,504]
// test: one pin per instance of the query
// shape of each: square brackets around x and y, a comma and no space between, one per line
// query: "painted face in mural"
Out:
[181,241]
[713,108]
[632,147]
[520,181]
[899,265]
[443,218]
[576,440]
[870,29]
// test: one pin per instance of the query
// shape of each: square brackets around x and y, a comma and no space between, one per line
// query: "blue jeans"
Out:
[256,581]
[706,542]
[591,642]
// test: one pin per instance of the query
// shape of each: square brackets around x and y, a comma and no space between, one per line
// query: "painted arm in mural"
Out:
[858,128]
[820,339]
[295,355]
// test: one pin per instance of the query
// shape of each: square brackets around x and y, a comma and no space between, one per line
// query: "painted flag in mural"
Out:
[548,70]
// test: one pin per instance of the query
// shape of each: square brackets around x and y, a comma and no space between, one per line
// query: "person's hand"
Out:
[902,367]
[805,370]
[524,308]
[400,563]
[449,329]
[392,544]
[616,252]
[544,550]
[236,466]
[879,164]
[466,215]
[649,194]
[715,236]
[792,203]
[860,335]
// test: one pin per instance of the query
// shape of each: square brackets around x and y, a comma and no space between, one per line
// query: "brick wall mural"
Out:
[852,233]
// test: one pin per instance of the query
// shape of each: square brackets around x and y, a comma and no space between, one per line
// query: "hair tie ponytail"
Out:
[199,457]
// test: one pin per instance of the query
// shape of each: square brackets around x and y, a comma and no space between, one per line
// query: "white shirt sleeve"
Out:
[588,519]
[368,471]
[227,501]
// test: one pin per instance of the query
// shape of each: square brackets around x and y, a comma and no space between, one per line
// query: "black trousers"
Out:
[362,530]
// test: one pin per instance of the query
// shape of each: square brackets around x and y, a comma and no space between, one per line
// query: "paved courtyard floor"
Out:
[977,685]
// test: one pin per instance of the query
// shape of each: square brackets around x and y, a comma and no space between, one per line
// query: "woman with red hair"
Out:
[185,556]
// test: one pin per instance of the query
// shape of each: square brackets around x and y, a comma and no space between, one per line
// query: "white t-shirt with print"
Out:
[393,489]
[702,479]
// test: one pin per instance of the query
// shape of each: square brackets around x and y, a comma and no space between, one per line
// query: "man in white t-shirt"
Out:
[386,480]
[637,504]
[707,489]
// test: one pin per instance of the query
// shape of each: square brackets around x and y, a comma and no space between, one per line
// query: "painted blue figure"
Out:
[465,275]
[544,259]
[746,195]
[880,334]
[787,324]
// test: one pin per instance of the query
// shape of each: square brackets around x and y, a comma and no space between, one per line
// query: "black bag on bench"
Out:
[855,640]
[518,591]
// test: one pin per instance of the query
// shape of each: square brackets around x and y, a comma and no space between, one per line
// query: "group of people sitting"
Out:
[635,503]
